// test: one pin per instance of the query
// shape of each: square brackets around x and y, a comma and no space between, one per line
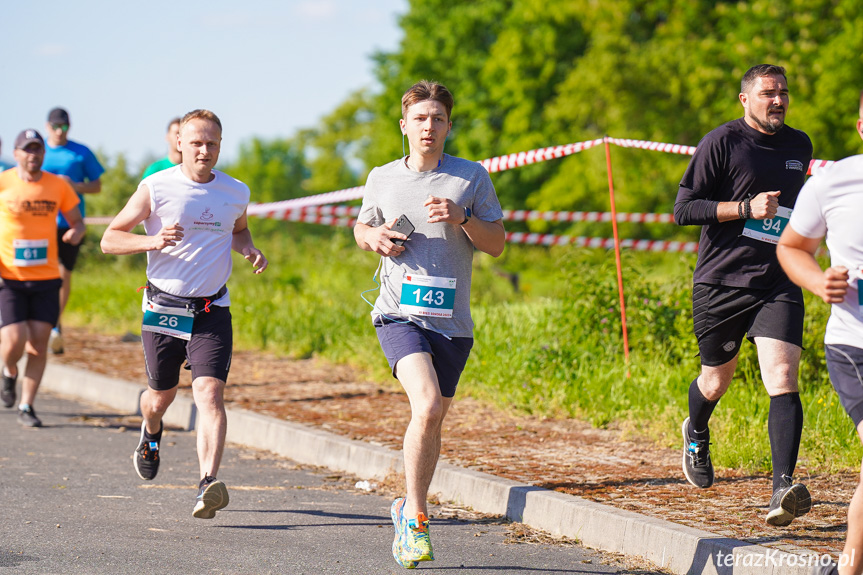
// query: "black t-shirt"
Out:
[732,162]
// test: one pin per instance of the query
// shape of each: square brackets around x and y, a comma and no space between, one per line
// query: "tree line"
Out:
[535,73]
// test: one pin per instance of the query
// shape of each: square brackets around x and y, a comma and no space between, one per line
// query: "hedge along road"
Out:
[73,503]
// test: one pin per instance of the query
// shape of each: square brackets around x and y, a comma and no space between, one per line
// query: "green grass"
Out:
[552,348]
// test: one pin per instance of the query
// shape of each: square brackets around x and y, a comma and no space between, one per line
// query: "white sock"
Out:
[23,406]
[6,372]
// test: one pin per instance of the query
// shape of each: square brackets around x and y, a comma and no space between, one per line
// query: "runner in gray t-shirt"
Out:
[422,315]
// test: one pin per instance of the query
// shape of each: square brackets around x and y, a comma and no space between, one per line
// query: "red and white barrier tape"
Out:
[530,239]
[499,164]
[604,243]
[98,220]
[294,214]
[510,161]
[525,215]
[654,146]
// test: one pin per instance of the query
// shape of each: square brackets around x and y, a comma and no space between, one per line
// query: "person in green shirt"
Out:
[174,156]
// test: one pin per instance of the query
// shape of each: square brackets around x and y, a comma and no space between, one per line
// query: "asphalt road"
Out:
[70,502]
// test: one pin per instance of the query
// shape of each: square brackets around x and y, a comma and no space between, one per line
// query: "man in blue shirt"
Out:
[79,166]
[3,165]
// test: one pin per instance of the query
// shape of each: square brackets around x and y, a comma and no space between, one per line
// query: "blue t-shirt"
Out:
[75,161]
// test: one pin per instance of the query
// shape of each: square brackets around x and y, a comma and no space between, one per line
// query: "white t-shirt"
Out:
[831,204]
[200,264]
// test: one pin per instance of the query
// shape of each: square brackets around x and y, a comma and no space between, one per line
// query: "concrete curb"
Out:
[680,549]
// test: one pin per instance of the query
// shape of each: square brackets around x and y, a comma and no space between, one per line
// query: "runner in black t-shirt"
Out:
[740,186]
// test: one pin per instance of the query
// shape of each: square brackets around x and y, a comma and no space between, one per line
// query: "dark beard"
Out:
[771,128]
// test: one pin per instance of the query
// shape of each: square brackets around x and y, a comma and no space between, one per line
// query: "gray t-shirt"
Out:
[429,283]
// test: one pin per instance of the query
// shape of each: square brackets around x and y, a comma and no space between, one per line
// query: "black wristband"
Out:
[740,211]
[747,211]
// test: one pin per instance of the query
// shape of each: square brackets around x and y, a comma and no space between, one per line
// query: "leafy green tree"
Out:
[117,186]
[274,170]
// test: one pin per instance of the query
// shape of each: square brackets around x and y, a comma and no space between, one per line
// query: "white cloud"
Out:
[52,49]
[317,10]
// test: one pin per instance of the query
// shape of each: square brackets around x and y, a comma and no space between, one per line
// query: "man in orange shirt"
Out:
[30,200]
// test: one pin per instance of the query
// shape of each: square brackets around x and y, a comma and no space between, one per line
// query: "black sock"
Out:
[700,410]
[785,426]
[157,437]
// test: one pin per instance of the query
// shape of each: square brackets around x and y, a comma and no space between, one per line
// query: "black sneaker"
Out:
[212,496]
[7,394]
[697,466]
[788,502]
[27,417]
[146,457]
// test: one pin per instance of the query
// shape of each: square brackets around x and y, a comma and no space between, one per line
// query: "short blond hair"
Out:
[200,114]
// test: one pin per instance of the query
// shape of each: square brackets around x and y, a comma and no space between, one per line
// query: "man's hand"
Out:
[835,285]
[379,240]
[168,236]
[444,210]
[256,256]
[74,236]
[765,205]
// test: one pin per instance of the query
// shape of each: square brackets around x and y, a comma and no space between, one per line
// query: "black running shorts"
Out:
[207,353]
[723,315]
[67,253]
[30,300]
[845,364]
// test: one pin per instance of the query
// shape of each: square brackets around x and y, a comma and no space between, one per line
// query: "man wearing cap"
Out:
[174,156]
[79,166]
[30,200]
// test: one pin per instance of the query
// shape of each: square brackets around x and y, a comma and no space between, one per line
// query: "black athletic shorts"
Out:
[449,356]
[845,364]
[723,315]
[207,353]
[67,253]
[30,300]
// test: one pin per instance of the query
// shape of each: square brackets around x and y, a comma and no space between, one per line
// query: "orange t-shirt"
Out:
[28,225]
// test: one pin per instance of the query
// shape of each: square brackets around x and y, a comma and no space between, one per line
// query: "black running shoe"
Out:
[212,496]
[7,394]
[697,466]
[788,502]
[146,457]
[27,417]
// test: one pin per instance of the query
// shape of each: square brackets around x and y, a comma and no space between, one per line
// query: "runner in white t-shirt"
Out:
[830,205]
[193,216]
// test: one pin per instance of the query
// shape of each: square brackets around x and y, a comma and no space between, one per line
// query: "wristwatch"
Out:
[466,216]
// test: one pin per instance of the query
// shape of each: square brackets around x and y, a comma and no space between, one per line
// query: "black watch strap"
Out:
[467,215]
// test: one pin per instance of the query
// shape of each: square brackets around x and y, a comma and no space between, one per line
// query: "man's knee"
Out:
[158,401]
[713,382]
[208,391]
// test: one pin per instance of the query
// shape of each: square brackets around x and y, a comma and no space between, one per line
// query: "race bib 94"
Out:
[768,230]
[428,295]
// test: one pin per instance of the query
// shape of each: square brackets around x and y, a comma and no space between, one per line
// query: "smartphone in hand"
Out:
[404,226]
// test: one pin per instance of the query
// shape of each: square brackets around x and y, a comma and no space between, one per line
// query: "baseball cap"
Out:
[28,137]
[58,116]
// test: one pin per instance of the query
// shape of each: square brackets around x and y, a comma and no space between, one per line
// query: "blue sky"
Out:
[123,69]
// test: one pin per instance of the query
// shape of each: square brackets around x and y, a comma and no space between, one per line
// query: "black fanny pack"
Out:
[194,305]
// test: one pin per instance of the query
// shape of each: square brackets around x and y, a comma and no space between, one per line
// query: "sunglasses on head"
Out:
[64,127]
